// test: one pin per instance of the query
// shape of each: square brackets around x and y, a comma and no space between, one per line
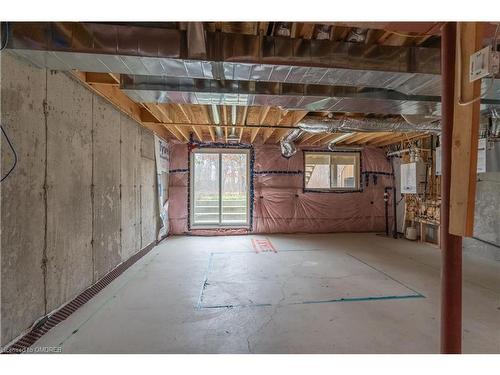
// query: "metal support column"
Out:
[451,245]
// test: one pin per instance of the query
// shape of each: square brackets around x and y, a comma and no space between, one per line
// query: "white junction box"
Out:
[483,63]
[413,178]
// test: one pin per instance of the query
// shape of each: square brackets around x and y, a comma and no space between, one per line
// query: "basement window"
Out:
[331,171]
[219,195]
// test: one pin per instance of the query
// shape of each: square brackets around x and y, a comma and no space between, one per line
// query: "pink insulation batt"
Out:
[280,204]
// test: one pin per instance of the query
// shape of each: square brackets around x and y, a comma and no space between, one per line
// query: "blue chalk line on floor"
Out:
[205,283]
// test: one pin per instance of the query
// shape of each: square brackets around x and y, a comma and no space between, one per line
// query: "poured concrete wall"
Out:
[69,180]
[486,241]
[23,91]
[130,197]
[81,200]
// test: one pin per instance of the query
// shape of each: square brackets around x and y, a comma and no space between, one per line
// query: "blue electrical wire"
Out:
[13,151]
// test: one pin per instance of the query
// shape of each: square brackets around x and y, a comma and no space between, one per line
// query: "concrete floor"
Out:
[328,293]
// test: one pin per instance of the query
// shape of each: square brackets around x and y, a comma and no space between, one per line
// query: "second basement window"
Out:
[331,171]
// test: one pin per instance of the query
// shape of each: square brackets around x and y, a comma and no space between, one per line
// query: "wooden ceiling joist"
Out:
[121,101]
[212,133]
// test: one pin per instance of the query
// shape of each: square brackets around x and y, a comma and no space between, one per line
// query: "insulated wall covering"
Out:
[280,203]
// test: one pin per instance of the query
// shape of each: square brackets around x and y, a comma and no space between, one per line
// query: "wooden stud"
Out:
[465,133]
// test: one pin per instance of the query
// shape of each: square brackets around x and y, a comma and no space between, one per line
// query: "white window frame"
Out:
[219,151]
[331,154]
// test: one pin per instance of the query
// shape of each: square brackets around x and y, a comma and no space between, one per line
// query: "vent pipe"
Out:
[495,123]
[320,125]
[216,118]
[357,35]
[340,138]
[288,148]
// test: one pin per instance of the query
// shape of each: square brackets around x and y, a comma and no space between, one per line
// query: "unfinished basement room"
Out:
[250,187]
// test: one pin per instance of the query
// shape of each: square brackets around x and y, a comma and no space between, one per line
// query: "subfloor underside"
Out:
[330,293]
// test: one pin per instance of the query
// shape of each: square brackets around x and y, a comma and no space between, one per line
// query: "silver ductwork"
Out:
[288,148]
[495,123]
[291,96]
[197,54]
[357,35]
[122,49]
[340,138]
[320,125]
[160,89]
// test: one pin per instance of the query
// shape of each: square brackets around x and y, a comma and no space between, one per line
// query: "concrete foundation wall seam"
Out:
[67,233]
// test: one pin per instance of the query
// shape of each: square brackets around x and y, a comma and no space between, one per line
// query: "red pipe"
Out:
[451,245]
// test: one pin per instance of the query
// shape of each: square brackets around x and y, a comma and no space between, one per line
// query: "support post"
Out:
[469,39]
[451,245]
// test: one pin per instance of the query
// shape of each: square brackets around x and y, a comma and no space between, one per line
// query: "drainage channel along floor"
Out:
[331,293]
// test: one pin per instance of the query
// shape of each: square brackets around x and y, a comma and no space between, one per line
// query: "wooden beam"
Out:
[279,134]
[306,30]
[262,28]
[101,78]
[121,101]
[387,139]
[357,138]
[263,114]
[298,116]
[320,138]
[305,138]
[241,135]
[161,110]
[465,133]
[184,112]
[253,135]
[147,116]
[267,134]
[380,137]
[244,117]
[348,138]
[182,130]
[174,132]
[238,126]
[212,133]
[198,132]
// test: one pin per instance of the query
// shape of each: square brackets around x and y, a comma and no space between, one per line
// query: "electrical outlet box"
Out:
[483,63]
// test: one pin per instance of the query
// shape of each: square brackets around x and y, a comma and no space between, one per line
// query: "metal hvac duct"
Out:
[288,148]
[160,89]
[340,138]
[320,125]
[111,48]
[93,47]
[495,123]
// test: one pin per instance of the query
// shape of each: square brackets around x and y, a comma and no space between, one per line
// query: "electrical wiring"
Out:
[459,63]
[13,152]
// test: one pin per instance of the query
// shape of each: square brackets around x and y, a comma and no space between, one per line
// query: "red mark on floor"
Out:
[263,245]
